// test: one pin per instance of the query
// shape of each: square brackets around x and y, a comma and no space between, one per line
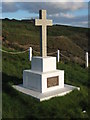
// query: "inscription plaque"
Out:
[52,81]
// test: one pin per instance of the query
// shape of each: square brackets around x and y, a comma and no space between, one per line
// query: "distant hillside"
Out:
[72,41]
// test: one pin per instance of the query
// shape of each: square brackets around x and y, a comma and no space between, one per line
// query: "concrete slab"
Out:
[46,95]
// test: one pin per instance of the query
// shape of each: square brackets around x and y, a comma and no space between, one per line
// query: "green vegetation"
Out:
[72,41]
[19,105]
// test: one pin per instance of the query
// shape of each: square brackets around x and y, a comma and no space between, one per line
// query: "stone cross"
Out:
[43,23]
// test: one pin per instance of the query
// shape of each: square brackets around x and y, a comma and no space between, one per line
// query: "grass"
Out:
[19,105]
[68,39]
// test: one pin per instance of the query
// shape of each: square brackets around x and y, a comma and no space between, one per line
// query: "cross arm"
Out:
[38,22]
[49,22]
[41,22]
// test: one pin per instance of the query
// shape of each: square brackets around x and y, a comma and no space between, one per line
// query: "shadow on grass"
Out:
[16,103]
[8,81]
[20,105]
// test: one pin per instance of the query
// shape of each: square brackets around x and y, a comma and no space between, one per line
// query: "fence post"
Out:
[86,57]
[30,53]
[58,56]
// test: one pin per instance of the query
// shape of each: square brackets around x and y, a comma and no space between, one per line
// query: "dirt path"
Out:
[12,45]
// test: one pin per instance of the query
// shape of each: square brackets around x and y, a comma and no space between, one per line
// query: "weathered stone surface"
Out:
[43,23]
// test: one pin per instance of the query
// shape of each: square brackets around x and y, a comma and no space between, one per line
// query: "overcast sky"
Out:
[66,13]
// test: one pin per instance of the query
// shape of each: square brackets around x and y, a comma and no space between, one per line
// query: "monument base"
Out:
[43,81]
[46,95]
[43,76]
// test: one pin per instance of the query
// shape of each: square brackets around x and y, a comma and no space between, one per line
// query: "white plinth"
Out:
[42,69]
[46,95]
[38,80]
[43,64]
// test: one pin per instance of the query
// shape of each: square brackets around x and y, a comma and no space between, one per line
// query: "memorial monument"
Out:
[43,81]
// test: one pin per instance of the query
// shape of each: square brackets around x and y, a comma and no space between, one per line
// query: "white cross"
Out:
[43,22]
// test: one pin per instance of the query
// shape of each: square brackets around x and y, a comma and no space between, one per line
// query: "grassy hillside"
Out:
[19,105]
[72,41]
[19,35]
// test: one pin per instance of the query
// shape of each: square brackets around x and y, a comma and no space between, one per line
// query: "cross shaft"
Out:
[43,23]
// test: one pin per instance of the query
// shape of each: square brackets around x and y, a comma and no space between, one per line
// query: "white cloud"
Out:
[84,22]
[80,24]
[52,8]
[54,15]
[9,0]
[60,12]
[65,15]
[43,1]
[70,5]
